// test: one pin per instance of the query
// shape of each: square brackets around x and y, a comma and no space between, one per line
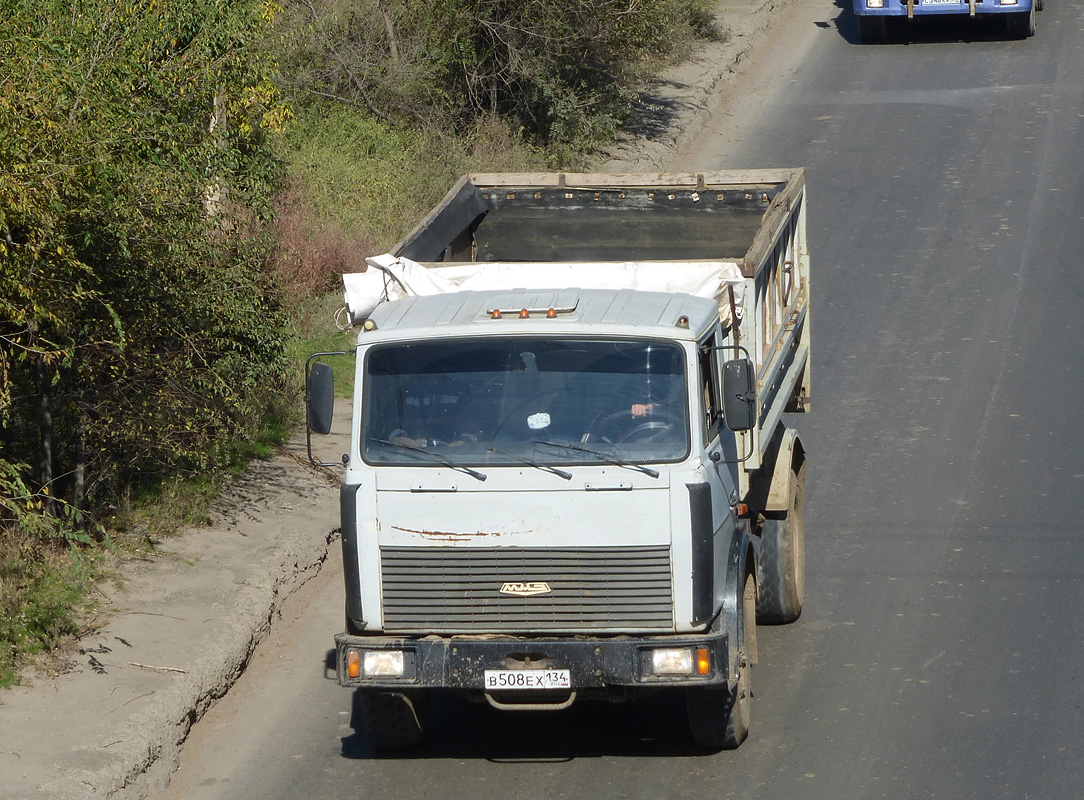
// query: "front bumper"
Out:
[460,662]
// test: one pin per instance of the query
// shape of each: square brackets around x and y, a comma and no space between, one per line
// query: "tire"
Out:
[781,561]
[393,720]
[872,29]
[1021,25]
[719,717]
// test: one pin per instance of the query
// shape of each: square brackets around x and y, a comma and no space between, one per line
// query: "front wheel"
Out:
[1021,24]
[719,717]
[392,720]
[872,29]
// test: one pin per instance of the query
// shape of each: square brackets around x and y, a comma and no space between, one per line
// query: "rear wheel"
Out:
[719,717]
[392,719]
[781,560]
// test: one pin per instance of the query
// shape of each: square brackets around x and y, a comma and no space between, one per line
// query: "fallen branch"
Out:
[160,669]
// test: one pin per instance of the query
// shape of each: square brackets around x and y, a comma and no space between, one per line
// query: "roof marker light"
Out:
[683,321]
[524,313]
[551,314]
[496,314]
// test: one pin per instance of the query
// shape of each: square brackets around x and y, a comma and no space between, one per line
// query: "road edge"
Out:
[673,109]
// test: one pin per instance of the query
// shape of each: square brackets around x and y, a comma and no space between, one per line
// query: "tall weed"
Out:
[42,585]
[357,185]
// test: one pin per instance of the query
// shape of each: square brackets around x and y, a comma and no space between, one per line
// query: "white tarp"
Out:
[391,278]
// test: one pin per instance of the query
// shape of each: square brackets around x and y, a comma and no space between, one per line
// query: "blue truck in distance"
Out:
[875,16]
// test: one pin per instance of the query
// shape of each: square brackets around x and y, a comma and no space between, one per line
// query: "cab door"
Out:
[718,470]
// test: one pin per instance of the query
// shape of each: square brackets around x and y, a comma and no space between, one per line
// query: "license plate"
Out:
[941,2]
[526,679]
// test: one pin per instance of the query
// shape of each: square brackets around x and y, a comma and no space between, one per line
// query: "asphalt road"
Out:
[940,653]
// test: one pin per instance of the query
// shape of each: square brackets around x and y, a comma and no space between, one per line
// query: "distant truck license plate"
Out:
[942,2]
[506,679]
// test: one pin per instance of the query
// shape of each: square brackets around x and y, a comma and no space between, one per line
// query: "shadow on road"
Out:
[653,112]
[456,728]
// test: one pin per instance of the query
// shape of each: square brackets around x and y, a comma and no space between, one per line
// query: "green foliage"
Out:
[333,153]
[311,330]
[132,215]
[39,590]
[561,72]
[395,99]
[141,336]
[357,185]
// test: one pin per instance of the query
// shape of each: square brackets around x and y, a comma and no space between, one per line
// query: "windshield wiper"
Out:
[544,467]
[617,462]
[437,456]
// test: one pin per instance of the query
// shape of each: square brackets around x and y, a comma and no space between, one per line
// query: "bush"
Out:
[560,72]
[141,335]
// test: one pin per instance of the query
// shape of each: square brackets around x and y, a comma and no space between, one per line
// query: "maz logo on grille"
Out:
[529,589]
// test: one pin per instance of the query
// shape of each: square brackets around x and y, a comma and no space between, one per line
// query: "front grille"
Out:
[428,590]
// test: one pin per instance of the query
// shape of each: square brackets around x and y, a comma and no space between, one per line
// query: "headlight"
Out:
[383,664]
[672,661]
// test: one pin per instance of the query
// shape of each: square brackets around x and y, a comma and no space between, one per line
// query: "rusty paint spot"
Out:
[451,537]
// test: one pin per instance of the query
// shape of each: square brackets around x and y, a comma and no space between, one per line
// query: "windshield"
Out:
[515,401]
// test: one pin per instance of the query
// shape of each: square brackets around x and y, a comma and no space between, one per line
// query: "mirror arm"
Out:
[308,425]
[745,397]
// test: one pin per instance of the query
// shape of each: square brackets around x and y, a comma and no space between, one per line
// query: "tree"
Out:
[138,332]
[561,72]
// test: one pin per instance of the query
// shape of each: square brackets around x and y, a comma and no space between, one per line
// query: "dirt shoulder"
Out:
[189,616]
[674,108]
[173,639]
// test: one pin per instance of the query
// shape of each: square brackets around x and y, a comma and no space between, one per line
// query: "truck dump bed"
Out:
[541,217]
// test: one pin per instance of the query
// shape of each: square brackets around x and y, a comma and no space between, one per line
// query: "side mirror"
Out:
[739,394]
[320,397]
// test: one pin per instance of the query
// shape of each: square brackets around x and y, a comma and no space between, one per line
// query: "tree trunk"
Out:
[79,480]
[389,27]
[45,426]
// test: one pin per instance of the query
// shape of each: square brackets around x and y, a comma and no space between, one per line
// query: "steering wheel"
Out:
[647,431]
[644,431]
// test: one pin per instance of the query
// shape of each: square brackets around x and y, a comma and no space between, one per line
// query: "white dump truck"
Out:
[569,475]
